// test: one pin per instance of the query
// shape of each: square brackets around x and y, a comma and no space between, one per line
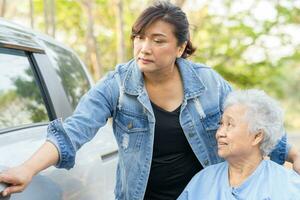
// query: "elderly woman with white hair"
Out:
[251,126]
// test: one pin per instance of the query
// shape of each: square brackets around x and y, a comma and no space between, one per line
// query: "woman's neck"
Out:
[165,89]
[161,77]
[240,169]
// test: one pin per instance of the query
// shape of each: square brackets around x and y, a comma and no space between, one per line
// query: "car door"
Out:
[23,119]
[96,161]
[31,95]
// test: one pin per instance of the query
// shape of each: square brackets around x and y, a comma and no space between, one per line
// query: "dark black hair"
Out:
[167,12]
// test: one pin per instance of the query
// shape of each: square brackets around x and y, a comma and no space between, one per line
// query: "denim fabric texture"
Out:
[121,94]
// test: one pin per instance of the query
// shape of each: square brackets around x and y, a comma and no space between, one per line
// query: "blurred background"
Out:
[251,43]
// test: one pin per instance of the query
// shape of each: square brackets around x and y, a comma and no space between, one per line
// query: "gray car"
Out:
[41,80]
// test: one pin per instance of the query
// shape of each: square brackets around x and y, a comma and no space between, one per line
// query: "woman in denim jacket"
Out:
[165,112]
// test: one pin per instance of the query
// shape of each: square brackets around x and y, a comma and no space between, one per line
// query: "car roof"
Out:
[16,36]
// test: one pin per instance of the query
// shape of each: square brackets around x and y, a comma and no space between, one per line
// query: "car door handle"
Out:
[109,156]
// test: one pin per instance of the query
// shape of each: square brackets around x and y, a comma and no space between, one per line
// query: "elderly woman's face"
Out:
[234,139]
[156,49]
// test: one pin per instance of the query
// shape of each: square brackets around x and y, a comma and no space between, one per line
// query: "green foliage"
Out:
[7,98]
[31,97]
[236,44]
[224,41]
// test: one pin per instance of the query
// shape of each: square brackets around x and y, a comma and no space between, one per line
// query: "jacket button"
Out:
[129,126]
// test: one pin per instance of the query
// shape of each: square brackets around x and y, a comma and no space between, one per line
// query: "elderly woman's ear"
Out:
[258,138]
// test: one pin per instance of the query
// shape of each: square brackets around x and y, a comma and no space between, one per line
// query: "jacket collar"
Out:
[192,84]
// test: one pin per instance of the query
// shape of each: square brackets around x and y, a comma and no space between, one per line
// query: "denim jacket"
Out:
[122,96]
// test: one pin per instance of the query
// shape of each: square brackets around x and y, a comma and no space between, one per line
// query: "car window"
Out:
[21,101]
[70,72]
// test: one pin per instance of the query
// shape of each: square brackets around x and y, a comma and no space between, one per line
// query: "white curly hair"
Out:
[263,114]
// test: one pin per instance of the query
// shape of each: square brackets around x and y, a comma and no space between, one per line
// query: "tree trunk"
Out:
[52,17]
[31,13]
[46,16]
[121,52]
[49,15]
[3,8]
[92,54]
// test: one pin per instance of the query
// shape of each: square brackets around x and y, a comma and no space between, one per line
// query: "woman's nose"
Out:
[146,47]
[220,132]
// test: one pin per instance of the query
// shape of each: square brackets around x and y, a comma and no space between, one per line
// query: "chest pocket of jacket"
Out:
[130,130]
[211,124]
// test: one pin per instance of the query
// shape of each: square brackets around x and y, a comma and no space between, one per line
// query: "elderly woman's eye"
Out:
[158,41]
[230,124]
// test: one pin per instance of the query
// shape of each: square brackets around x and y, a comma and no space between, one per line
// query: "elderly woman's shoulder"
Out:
[277,169]
[211,172]
[212,176]
[284,179]
[283,176]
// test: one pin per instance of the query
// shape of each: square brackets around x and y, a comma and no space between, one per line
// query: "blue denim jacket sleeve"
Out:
[280,153]
[92,112]
[226,89]
[57,136]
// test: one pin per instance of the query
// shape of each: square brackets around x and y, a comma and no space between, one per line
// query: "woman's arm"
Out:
[19,177]
[285,152]
[294,157]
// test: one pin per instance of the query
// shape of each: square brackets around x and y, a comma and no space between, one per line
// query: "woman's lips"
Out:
[145,61]
[221,144]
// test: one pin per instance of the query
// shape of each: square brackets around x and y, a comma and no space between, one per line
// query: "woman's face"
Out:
[156,49]
[233,137]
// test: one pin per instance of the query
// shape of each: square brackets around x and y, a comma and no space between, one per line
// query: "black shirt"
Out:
[173,162]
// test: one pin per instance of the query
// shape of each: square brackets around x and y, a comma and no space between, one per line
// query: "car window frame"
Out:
[14,50]
[48,44]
